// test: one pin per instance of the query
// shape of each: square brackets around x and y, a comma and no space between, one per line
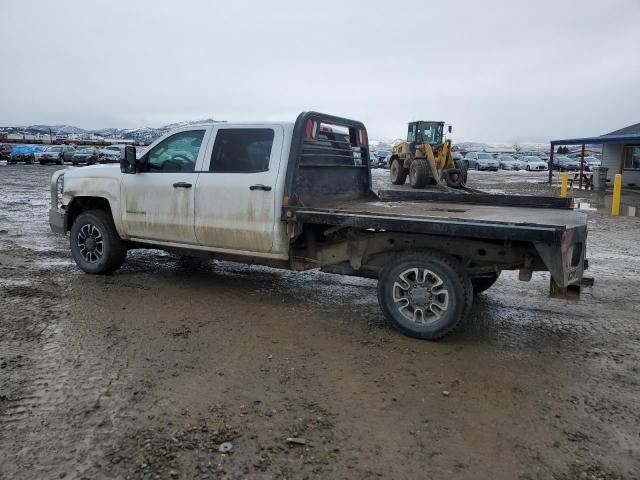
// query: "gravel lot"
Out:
[144,374]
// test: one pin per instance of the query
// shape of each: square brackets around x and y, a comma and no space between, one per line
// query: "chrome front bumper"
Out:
[58,218]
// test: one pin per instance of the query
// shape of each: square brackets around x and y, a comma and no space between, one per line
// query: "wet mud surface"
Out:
[173,369]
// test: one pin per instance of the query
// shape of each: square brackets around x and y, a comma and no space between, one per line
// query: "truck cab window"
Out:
[178,153]
[242,150]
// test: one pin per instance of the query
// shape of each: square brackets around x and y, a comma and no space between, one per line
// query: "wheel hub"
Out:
[90,243]
[420,295]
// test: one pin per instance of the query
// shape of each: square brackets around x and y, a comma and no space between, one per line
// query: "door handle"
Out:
[266,188]
[182,185]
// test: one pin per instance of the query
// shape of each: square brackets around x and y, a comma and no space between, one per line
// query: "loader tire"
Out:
[418,173]
[398,172]
[452,177]
[464,168]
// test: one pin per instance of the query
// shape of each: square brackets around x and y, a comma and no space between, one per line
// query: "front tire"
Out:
[424,294]
[418,173]
[96,246]
[397,172]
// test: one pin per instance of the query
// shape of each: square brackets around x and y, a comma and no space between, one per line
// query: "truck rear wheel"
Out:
[96,246]
[398,172]
[418,173]
[480,284]
[425,294]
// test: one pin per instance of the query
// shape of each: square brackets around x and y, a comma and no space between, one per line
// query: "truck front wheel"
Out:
[398,172]
[425,294]
[96,246]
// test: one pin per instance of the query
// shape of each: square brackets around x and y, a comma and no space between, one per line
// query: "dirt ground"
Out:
[148,372]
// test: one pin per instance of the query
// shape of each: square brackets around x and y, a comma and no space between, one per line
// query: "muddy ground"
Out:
[144,374]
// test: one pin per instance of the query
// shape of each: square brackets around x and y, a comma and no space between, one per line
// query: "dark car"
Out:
[565,164]
[380,156]
[57,154]
[88,155]
[5,151]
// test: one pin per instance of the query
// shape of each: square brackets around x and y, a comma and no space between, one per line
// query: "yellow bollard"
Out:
[563,185]
[617,190]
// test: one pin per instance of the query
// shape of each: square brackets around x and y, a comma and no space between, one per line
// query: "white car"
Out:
[534,163]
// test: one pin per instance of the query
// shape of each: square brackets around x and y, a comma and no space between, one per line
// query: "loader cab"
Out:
[424,132]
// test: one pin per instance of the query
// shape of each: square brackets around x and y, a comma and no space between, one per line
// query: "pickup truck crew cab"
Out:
[298,196]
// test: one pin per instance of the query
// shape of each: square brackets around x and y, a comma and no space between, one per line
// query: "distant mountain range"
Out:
[141,134]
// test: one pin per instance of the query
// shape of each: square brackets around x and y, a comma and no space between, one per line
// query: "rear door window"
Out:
[242,150]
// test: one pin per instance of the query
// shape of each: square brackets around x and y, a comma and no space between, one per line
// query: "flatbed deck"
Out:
[440,218]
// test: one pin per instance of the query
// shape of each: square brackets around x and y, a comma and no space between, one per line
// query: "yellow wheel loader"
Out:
[426,158]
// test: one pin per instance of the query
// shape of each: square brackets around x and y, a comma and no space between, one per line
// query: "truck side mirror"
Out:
[450,128]
[128,161]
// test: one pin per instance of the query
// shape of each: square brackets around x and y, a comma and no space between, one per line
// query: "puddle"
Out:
[626,210]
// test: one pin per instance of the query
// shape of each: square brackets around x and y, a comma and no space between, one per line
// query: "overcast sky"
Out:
[497,70]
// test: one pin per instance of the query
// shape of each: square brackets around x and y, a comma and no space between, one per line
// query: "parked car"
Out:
[535,153]
[565,164]
[481,161]
[5,151]
[86,155]
[591,162]
[509,162]
[110,154]
[24,153]
[56,154]
[534,163]
[381,155]
[457,156]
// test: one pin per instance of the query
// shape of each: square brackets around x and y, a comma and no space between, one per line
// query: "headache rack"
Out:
[329,158]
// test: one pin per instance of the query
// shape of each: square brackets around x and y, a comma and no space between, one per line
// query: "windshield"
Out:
[116,149]
[86,150]
[507,158]
[532,159]
[383,153]
[429,133]
[54,149]
[485,156]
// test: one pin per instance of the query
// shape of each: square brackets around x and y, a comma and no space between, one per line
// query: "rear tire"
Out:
[398,172]
[95,244]
[453,177]
[480,284]
[424,294]
[418,173]
[464,168]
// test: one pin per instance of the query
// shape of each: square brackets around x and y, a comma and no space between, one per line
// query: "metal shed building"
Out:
[620,152]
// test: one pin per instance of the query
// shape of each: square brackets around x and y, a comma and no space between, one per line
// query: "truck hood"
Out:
[93,171]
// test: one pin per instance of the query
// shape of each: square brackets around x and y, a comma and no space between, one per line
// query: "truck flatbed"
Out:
[439,218]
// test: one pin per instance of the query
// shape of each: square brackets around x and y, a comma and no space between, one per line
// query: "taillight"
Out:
[362,136]
[311,130]
[564,244]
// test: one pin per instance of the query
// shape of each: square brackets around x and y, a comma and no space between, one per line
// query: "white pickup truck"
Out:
[298,196]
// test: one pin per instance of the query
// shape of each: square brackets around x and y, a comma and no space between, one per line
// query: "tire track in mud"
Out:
[57,377]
